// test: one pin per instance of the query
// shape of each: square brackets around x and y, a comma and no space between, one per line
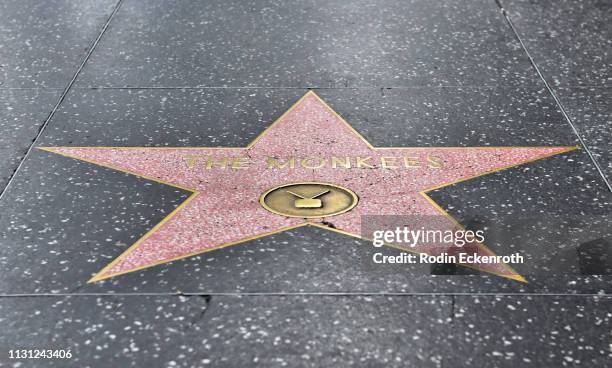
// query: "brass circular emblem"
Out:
[308,200]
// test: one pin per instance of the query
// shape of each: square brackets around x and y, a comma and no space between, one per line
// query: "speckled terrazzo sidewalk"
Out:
[499,111]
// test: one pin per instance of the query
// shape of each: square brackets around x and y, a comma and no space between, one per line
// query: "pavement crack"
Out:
[200,316]
[329,224]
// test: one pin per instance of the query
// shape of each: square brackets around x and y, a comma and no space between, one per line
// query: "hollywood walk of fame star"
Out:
[224,207]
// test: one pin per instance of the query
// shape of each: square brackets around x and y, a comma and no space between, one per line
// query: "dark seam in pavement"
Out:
[61,99]
[307,87]
[284,294]
[553,94]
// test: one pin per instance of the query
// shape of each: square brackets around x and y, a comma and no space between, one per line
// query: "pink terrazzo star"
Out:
[224,208]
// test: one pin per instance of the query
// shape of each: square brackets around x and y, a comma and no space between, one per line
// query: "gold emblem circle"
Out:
[308,200]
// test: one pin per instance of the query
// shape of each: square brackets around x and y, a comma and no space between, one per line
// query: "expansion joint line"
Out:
[554,95]
[61,99]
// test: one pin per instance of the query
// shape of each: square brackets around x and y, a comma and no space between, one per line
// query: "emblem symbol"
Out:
[308,200]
